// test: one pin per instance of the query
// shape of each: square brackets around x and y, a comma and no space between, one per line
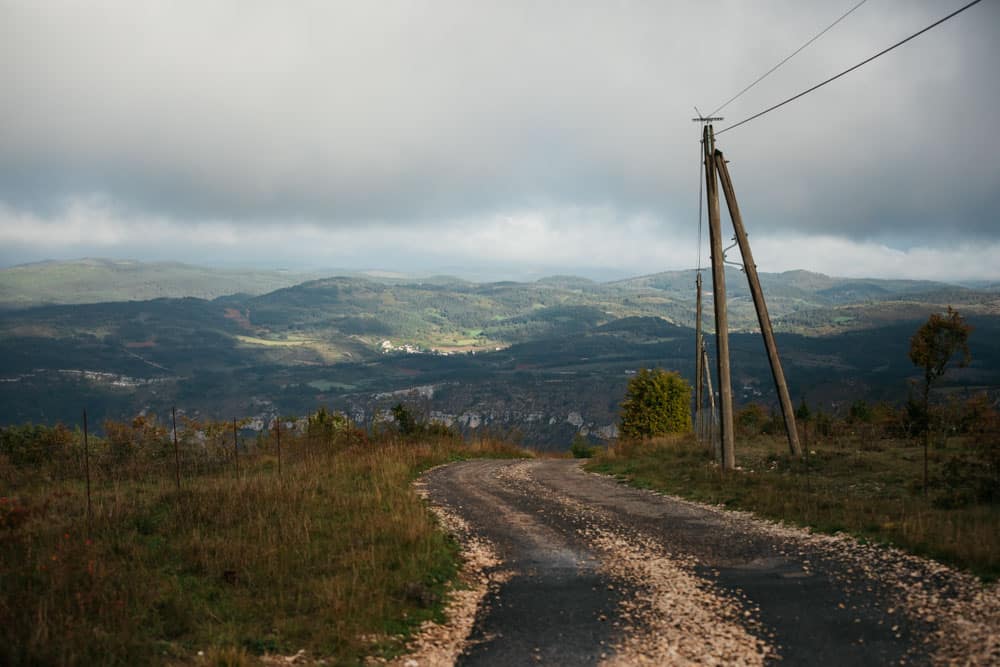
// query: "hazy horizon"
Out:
[468,273]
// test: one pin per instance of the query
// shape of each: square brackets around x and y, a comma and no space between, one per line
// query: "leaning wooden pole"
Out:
[766,330]
[713,441]
[699,399]
[728,461]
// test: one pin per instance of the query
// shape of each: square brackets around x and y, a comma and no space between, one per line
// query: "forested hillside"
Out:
[549,359]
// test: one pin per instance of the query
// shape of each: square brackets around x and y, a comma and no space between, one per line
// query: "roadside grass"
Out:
[870,490]
[338,556]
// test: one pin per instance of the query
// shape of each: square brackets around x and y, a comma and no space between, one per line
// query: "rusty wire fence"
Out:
[152,451]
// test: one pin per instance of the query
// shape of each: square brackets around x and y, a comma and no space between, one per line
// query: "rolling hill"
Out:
[102,280]
[549,358]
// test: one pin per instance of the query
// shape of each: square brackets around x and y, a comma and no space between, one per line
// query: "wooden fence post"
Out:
[277,433]
[86,464]
[236,448]
[177,456]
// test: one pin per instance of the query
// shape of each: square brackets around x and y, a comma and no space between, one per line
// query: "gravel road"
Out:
[577,569]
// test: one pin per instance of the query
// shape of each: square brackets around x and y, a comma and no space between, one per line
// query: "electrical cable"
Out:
[850,69]
[701,181]
[789,57]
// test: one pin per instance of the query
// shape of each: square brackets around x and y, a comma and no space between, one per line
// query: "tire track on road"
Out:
[601,573]
[553,602]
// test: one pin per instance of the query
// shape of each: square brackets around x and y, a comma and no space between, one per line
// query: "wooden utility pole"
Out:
[699,402]
[728,461]
[699,398]
[758,301]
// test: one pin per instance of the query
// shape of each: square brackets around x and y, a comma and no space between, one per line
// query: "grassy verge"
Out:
[337,556]
[871,492]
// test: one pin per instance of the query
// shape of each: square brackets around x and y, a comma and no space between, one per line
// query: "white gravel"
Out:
[439,645]
[668,615]
[675,618]
[961,613]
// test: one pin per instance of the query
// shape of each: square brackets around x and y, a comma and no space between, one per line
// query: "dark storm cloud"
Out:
[417,112]
[328,111]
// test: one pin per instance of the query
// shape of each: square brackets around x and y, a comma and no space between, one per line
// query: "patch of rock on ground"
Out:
[674,616]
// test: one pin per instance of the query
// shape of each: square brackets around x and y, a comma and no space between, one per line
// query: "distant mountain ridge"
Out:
[549,358]
[440,310]
[91,280]
[94,280]
[796,282]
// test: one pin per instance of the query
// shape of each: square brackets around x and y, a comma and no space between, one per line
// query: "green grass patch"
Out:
[327,385]
[871,492]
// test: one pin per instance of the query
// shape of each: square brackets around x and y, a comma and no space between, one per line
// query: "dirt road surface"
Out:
[578,569]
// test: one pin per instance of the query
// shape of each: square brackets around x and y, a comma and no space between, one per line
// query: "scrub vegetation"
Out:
[862,475]
[871,472]
[333,553]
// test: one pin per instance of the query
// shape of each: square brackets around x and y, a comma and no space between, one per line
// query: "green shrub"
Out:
[657,402]
[36,444]
[327,426]
[408,425]
[751,419]
[972,476]
[581,447]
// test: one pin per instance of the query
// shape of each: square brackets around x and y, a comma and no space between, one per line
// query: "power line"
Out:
[703,120]
[851,69]
[789,57]
[701,184]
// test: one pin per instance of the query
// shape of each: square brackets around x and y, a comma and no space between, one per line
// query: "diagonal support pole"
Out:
[699,399]
[713,441]
[761,306]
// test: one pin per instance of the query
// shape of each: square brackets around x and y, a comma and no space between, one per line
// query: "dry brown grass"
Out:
[869,489]
[337,556]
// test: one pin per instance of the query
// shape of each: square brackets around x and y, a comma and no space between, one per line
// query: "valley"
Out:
[542,361]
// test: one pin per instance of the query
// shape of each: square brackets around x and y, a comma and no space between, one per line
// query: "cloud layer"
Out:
[390,120]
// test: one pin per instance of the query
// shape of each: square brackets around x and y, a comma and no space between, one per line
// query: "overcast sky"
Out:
[500,139]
